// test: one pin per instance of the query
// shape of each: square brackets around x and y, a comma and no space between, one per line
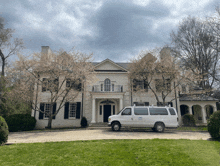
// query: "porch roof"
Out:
[196,97]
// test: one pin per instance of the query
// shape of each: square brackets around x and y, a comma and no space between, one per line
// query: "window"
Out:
[101,87]
[100,110]
[107,84]
[172,112]
[45,110]
[166,104]
[72,110]
[50,85]
[127,111]
[113,87]
[140,84]
[184,88]
[161,85]
[74,84]
[158,111]
[141,103]
[140,111]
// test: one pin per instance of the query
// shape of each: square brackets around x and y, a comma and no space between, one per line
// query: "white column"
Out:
[190,110]
[93,111]
[121,104]
[214,109]
[203,115]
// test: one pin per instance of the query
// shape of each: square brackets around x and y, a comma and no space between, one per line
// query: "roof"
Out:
[196,97]
[122,65]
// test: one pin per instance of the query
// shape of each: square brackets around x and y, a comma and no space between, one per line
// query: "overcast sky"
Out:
[114,29]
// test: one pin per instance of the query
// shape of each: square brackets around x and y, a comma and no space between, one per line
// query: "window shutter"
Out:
[66,111]
[41,115]
[54,109]
[145,85]
[78,110]
[146,104]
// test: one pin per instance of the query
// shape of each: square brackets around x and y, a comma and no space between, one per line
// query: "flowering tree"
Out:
[58,76]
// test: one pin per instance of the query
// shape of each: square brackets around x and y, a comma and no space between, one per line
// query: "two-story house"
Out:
[111,92]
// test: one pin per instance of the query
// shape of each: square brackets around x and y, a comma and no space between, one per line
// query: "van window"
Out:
[172,112]
[140,111]
[127,111]
[158,111]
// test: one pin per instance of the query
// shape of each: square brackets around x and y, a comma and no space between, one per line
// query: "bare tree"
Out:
[7,46]
[156,73]
[197,48]
[58,78]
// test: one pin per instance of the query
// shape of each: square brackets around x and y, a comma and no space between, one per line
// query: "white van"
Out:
[141,116]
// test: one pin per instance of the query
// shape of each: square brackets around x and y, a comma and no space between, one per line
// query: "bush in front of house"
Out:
[20,122]
[214,125]
[188,120]
[3,131]
[84,122]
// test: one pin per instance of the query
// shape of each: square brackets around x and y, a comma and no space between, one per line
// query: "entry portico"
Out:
[100,101]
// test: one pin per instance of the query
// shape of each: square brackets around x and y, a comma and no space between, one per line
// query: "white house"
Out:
[111,92]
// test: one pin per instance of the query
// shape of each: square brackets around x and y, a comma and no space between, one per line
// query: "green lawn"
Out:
[113,152]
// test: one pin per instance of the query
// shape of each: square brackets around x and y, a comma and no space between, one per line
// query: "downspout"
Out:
[36,98]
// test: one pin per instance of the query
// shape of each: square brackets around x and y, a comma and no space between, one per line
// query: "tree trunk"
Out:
[49,125]
[3,63]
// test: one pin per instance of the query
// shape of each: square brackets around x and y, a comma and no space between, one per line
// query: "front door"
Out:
[107,112]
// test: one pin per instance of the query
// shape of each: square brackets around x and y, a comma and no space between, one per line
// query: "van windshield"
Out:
[121,110]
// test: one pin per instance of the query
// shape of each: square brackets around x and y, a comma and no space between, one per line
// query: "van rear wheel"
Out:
[159,127]
[116,126]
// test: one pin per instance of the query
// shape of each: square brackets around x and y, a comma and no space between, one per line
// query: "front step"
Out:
[103,124]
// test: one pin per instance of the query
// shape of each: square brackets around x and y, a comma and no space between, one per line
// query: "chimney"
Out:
[46,53]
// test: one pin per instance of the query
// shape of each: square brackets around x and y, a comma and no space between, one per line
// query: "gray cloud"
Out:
[110,29]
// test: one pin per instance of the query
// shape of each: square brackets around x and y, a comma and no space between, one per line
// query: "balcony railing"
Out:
[112,88]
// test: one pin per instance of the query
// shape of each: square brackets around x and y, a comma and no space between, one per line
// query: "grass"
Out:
[113,152]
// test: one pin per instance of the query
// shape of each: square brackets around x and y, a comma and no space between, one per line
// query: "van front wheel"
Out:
[159,127]
[116,126]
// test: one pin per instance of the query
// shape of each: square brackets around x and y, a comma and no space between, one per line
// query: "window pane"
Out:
[47,110]
[127,111]
[107,85]
[141,111]
[72,112]
[172,112]
[158,111]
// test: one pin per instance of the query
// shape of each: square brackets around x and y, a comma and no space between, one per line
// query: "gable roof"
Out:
[122,66]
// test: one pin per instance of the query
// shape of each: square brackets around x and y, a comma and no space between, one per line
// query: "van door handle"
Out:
[131,118]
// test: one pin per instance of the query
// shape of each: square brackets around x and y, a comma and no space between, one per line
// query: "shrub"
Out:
[188,120]
[3,131]
[84,122]
[20,122]
[214,125]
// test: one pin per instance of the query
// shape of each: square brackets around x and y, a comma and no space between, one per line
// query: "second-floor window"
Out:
[107,85]
[50,85]
[140,84]
[162,85]
[74,84]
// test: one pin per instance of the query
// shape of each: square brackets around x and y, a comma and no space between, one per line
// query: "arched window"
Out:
[107,85]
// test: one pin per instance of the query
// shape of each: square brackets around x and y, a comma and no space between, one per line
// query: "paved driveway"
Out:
[97,134]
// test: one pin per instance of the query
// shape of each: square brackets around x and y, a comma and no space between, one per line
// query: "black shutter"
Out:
[145,85]
[66,111]
[78,110]
[54,109]
[41,115]
[134,85]
[146,104]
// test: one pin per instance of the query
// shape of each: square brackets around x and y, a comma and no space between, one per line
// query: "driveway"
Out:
[98,134]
